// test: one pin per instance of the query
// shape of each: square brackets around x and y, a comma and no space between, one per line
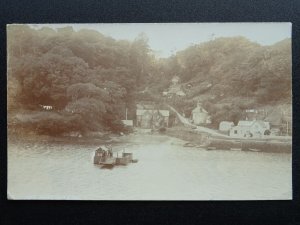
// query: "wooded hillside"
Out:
[90,78]
[230,75]
[87,77]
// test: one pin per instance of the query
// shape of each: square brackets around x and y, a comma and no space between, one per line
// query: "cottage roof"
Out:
[164,112]
[226,123]
[245,123]
[180,93]
[144,106]
[139,106]
[140,112]
[263,124]
[199,109]
[252,110]
[103,147]
[174,89]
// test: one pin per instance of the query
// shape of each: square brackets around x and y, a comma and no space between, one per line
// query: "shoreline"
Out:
[215,143]
[186,134]
[183,134]
[13,138]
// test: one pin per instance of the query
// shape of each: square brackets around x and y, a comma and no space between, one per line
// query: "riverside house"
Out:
[152,118]
[250,129]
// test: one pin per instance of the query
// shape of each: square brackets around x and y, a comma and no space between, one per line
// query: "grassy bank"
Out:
[20,137]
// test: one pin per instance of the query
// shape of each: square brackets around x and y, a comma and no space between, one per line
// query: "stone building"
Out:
[152,118]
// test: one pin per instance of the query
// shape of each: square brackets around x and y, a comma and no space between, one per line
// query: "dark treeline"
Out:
[90,78]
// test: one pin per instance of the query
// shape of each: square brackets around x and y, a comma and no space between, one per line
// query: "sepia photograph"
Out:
[149,111]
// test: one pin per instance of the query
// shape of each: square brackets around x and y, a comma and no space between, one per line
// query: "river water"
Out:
[165,171]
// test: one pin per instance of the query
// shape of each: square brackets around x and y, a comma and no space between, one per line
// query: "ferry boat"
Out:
[105,156]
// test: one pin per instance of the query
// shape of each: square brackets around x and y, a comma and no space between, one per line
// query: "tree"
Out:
[90,110]
[86,90]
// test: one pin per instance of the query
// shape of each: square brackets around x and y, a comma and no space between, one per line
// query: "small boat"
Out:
[201,146]
[189,145]
[235,149]
[134,160]
[254,150]
[211,148]
[104,156]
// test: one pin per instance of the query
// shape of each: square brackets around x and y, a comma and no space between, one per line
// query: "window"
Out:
[235,131]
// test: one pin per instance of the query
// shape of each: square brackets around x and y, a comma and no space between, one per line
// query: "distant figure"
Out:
[109,150]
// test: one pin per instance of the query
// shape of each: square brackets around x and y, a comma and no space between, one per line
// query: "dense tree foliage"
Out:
[90,78]
[230,75]
[82,73]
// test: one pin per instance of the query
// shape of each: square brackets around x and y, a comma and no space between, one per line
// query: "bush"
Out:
[56,124]
[49,123]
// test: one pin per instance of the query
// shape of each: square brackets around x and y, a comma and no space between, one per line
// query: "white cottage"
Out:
[248,129]
[200,115]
